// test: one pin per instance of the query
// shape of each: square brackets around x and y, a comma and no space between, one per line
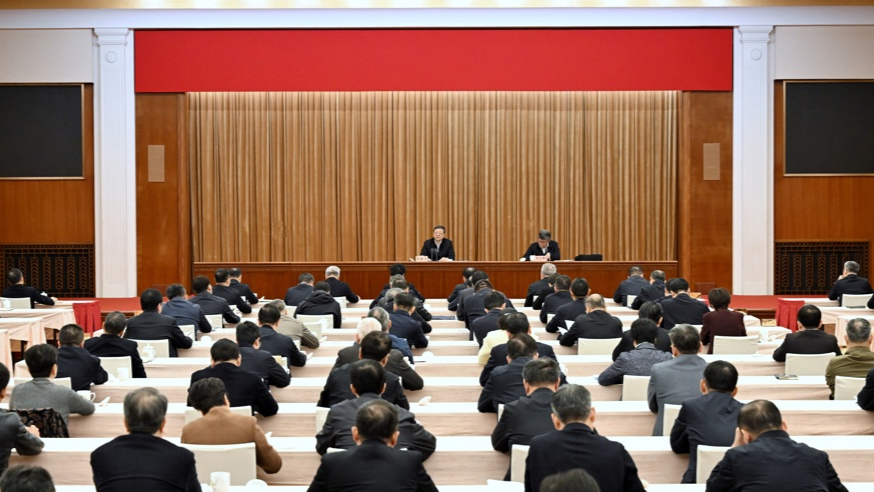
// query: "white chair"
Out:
[669,415]
[569,323]
[549,317]
[112,364]
[341,301]
[335,450]
[807,364]
[735,345]
[846,388]
[215,320]
[634,388]
[162,347]
[321,417]
[629,300]
[17,302]
[188,331]
[317,327]
[708,458]
[518,455]
[281,360]
[500,410]
[311,318]
[237,459]
[192,414]
[65,382]
[597,346]
[855,300]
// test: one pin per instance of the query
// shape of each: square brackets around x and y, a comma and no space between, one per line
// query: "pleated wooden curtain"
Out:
[359,176]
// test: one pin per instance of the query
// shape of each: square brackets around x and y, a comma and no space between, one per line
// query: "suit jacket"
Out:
[462,297]
[674,382]
[541,296]
[222,426]
[320,303]
[597,324]
[534,290]
[151,325]
[855,363]
[865,398]
[663,343]
[295,295]
[637,362]
[523,419]
[488,323]
[143,463]
[337,431]
[721,323]
[244,387]
[18,291]
[807,342]
[503,386]
[445,251]
[341,289]
[420,314]
[396,364]
[278,344]
[851,284]
[42,393]
[683,309]
[264,365]
[212,304]
[498,358]
[551,249]
[186,313]
[233,297]
[404,326]
[13,434]
[114,346]
[569,311]
[378,300]
[553,302]
[578,446]
[244,291]
[774,463]
[81,367]
[453,297]
[475,307]
[372,467]
[654,292]
[709,419]
[298,332]
[629,287]
[337,389]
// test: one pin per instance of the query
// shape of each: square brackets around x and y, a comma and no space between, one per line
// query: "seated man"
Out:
[17,290]
[678,379]
[544,246]
[631,286]
[849,283]
[403,325]
[13,433]
[75,362]
[221,426]
[438,248]
[474,305]
[505,382]
[368,382]
[236,283]
[547,291]
[654,292]
[570,311]
[398,344]
[709,419]
[494,304]
[295,295]
[466,293]
[453,297]
[651,311]
[681,308]
[721,322]
[865,398]
[637,362]
[142,460]
[763,457]
[111,343]
[512,326]
[276,343]
[396,364]
[209,303]
[152,325]
[420,314]
[244,387]
[184,311]
[536,288]
[810,338]
[260,362]
[336,288]
[596,323]
[397,270]
[559,298]
[41,392]
[857,359]
[320,302]
[294,328]
[374,464]
[26,478]
[223,289]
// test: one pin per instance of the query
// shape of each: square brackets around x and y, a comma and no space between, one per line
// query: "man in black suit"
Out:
[236,283]
[466,293]
[75,362]
[536,288]
[244,387]
[849,283]
[809,339]
[396,364]
[368,382]
[681,308]
[152,325]
[475,306]
[709,419]
[505,382]
[438,248]
[453,297]
[558,299]
[630,286]
[494,303]
[654,292]
[547,291]
[374,465]
[295,295]
[544,246]
[575,444]
[185,311]
[321,302]
[376,345]
[420,314]
[111,344]
[764,458]
[142,461]
[276,343]
[338,288]
[570,311]
[649,310]
[865,398]
[261,362]
[395,271]
[209,303]
[516,324]
[402,323]
[596,323]
[223,289]
[17,290]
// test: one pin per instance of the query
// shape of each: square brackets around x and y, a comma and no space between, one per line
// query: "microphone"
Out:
[434,253]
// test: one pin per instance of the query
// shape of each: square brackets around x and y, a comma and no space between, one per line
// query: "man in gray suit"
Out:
[678,379]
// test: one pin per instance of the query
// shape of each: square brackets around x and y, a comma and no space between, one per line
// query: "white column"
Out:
[115,223]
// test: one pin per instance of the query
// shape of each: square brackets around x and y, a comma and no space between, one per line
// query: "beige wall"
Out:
[824,52]
[46,56]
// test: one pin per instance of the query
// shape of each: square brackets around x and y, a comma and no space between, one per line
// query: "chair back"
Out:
[48,421]
[846,388]
[192,414]
[855,300]
[634,388]
[549,317]
[281,360]
[17,302]
[162,347]
[807,364]
[112,364]
[237,459]
[321,417]
[708,458]
[188,331]
[518,455]
[669,415]
[597,346]
[629,300]
[735,345]
[306,319]
[342,302]
[316,326]
[215,320]
[65,382]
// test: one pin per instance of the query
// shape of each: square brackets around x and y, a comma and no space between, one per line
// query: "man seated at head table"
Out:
[41,391]
[17,290]
[857,359]
[13,433]
[244,387]
[544,246]
[219,425]
[438,248]
[75,362]
[26,478]
[152,325]
[111,343]
[396,363]
[142,460]
[810,337]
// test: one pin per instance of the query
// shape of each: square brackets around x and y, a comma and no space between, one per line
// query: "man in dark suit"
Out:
[209,303]
[17,290]
[244,387]
[236,283]
[654,292]
[402,323]
[544,246]
[396,364]
[630,286]
[338,288]
[142,461]
[111,344]
[865,398]
[809,339]
[376,345]
[276,343]
[223,289]
[652,311]
[75,362]
[464,294]
[494,303]
[561,297]
[681,308]
[709,419]
[678,379]
[849,283]
[320,303]
[152,325]
[184,311]
[475,306]
[764,458]
[515,324]
[295,295]
[596,323]
[505,382]
[397,270]
[438,248]
[419,314]
[572,310]
[261,362]
[368,382]
[575,444]
[637,362]
[374,465]
[536,288]
[547,291]
[398,344]
[453,297]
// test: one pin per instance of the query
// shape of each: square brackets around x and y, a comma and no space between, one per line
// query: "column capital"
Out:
[117,36]
[755,34]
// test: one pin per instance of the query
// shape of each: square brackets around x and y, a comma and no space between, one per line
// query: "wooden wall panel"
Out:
[163,214]
[49,211]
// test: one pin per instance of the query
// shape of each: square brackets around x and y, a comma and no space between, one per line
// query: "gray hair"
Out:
[547,269]
[391,294]
[572,403]
[380,315]
[366,325]
[278,304]
[685,338]
[332,271]
[544,235]
[144,410]
[851,266]
[858,330]
[596,301]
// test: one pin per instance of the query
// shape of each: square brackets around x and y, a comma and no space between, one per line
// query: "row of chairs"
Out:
[721,345]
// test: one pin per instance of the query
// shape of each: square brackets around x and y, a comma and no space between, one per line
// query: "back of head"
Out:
[477,276]
[720,375]
[150,299]
[221,275]
[376,345]
[175,290]
[516,324]
[635,271]
[397,269]
[719,298]
[279,304]
[644,330]
[26,478]
[400,283]
[574,480]
[248,333]
[493,300]
[759,416]
[115,323]
[580,288]
[380,315]
[552,278]
[14,276]
[224,350]
[481,285]
[541,372]
[367,376]
[547,269]
[144,410]
[858,330]
[810,317]
[562,282]
[651,310]
[544,235]
[206,394]
[200,284]
[40,360]
[71,335]
[332,271]
[269,315]
[572,403]
[305,278]
[405,301]
[322,286]
[467,273]
[596,301]
[657,275]
[4,376]
[686,339]
[234,272]
[521,345]
[677,285]
[376,419]
[366,325]
[391,294]
[851,267]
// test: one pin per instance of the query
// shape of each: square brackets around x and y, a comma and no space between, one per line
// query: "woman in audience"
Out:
[721,321]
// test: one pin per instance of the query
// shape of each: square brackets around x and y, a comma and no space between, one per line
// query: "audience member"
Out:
[17,290]
[420,314]
[570,311]
[276,343]
[849,283]
[152,325]
[494,304]
[295,295]
[41,392]
[857,359]
[396,271]
[721,322]
[865,398]
[676,380]
[652,311]
[398,344]
[536,288]
[184,311]
[810,338]
[505,382]
[376,345]
[464,294]
[236,279]
[631,286]
[244,387]
[559,298]
[26,478]
[111,343]
[293,327]
[13,433]
[544,246]
[596,323]
[547,291]
[261,362]
[453,297]
[75,362]
[223,289]
[438,248]
[637,362]
[681,308]
[209,303]
[321,303]
[403,325]
[575,480]
[475,306]
[336,288]
[396,363]
[654,292]
[514,324]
